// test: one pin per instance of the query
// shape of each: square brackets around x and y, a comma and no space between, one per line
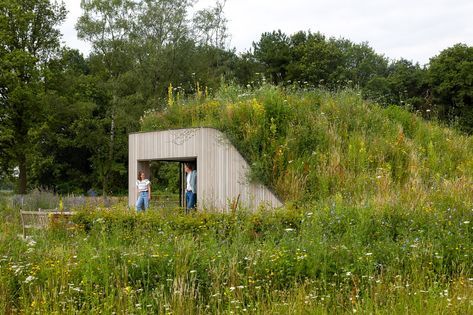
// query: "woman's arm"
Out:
[149,191]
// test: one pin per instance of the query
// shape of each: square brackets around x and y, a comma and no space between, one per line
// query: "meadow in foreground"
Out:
[323,259]
[378,219]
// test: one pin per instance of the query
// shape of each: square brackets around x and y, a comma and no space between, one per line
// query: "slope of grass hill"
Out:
[313,145]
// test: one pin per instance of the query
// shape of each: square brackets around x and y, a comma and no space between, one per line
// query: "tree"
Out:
[210,26]
[408,86]
[162,46]
[108,25]
[318,60]
[28,39]
[274,52]
[70,97]
[360,63]
[246,69]
[170,48]
[451,80]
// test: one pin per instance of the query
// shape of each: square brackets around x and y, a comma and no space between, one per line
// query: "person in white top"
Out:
[143,190]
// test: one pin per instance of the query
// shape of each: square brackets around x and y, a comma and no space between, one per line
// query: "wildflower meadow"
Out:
[378,219]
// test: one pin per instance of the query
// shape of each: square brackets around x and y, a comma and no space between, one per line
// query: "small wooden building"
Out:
[221,170]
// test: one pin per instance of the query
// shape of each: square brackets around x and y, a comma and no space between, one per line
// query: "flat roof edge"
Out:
[172,129]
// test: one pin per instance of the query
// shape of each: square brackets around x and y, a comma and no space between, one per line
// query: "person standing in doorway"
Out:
[143,189]
[191,187]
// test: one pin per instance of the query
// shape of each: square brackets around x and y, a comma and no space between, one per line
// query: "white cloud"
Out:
[414,30]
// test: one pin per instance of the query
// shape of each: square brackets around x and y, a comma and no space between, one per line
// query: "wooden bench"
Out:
[33,220]
[40,219]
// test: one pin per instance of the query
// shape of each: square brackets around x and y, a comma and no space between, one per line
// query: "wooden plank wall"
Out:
[221,170]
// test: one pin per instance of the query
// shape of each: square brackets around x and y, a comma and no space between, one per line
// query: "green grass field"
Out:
[333,259]
[378,220]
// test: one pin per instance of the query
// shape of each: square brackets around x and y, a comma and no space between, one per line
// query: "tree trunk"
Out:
[109,163]
[22,175]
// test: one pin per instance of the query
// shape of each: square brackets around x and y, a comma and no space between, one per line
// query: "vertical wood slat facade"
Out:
[221,170]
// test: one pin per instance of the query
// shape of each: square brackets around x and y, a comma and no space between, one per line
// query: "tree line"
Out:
[65,117]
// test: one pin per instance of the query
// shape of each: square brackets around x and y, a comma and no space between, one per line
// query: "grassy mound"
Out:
[319,145]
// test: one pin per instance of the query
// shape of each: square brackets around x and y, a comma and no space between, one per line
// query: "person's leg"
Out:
[145,200]
[139,203]
[192,200]
[188,200]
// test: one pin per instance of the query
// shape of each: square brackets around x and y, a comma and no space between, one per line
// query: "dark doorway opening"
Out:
[168,182]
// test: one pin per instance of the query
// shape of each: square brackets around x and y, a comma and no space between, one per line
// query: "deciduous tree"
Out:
[28,38]
[451,80]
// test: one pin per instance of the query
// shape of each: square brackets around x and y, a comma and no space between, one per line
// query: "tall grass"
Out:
[319,145]
[378,219]
[43,199]
[332,259]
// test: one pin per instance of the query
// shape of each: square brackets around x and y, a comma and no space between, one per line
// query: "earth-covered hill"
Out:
[316,145]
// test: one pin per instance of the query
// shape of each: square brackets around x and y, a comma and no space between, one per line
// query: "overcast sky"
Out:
[412,29]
